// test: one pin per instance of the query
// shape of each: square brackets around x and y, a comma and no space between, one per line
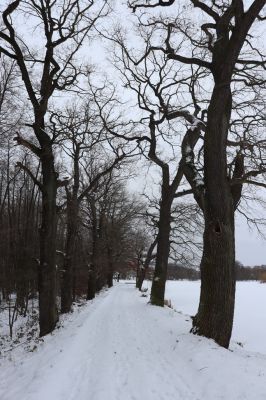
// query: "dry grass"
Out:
[263,277]
[168,303]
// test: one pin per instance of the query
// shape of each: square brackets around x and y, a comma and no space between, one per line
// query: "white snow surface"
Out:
[250,315]
[118,347]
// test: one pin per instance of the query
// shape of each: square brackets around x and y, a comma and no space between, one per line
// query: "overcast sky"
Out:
[250,248]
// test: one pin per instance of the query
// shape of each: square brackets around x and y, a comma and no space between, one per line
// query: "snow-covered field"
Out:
[118,347]
[250,310]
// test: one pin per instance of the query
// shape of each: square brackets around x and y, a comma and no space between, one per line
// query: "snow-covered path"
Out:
[120,348]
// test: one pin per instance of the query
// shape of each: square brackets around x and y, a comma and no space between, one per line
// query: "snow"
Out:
[198,180]
[188,149]
[118,347]
[24,329]
[196,123]
[250,316]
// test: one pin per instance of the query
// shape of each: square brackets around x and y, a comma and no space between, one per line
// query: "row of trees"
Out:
[196,91]
[257,273]
[243,273]
[59,236]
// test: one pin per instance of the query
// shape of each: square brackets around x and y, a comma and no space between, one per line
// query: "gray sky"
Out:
[250,248]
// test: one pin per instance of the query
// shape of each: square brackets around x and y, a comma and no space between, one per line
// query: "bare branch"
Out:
[31,175]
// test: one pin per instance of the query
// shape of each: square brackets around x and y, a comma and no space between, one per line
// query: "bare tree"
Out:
[83,136]
[148,257]
[158,87]
[223,47]
[111,217]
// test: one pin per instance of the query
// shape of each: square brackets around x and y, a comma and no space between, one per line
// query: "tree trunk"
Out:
[216,309]
[21,280]
[110,271]
[110,279]
[72,231]
[110,275]
[143,269]
[94,254]
[100,279]
[91,283]
[140,277]
[67,280]
[137,275]
[163,247]
[47,269]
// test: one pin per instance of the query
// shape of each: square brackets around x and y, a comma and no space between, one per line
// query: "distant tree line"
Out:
[243,273]
[179,272]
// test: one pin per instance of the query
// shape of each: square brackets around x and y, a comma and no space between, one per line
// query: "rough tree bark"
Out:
[149,257]
[68,267]
[110,272]
[168,191]
[92,267]
[216,308]
[163,248]
[72,230]
[47,268]
[225,36]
